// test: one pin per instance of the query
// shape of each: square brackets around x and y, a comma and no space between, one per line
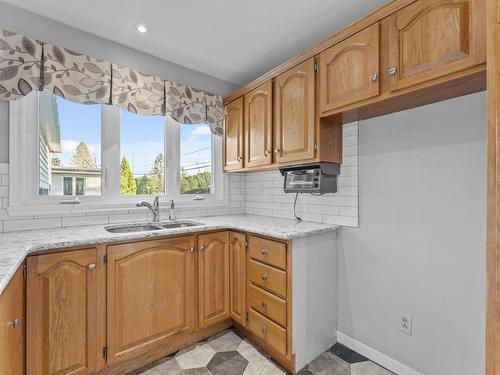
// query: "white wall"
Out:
[26,23]
[420,248]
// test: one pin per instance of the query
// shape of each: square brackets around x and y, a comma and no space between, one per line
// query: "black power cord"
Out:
[294,205]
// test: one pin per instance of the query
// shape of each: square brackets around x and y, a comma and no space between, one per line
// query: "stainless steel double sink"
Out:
[146,227]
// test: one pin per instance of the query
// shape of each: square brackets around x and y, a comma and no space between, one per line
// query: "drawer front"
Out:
[267,251]
[267,304]
[269,278]
[267,331]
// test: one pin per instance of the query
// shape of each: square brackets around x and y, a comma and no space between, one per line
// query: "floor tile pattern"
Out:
[229,354]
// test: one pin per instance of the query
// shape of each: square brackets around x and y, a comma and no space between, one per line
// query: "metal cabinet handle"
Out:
[276,150]
[202,247]
[91,266]
[239,158]
[373,77]
[267,152]
[264,331]
[264,276]
[392,70]
[264,305]
[264,251]
[15,323]
[191,249]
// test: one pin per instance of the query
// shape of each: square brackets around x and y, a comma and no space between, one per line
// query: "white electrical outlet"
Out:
[406,324]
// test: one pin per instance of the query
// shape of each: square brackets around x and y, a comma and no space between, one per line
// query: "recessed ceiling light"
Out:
[141,28]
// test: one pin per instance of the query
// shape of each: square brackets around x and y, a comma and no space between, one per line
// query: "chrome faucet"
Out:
[155,208]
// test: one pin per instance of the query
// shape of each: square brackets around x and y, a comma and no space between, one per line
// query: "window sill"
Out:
[93,208]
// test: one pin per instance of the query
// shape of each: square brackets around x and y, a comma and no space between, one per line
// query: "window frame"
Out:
[24,195]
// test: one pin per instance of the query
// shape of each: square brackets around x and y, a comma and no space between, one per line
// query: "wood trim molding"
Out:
[493,206]
[375,16]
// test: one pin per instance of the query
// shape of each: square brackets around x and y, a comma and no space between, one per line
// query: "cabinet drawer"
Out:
[267,331]
[267,304]
[267,251]
[269,278]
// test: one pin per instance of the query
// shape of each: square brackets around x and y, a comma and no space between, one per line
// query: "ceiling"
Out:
[234,40]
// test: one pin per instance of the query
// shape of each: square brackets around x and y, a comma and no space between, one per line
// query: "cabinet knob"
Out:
[264,305]
[202,247]
[264,251]
[191,249]
[373,77]
[240,158]
[264,276]
[276,150]
[267,152]
[392,70]
[264,331]
[15,323]
[91,266]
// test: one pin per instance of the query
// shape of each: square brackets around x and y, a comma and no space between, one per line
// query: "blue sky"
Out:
[141,136]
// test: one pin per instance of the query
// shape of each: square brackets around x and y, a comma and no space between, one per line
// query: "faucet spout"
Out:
[155,208]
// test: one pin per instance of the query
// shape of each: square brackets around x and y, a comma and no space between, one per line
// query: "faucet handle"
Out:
[172,203]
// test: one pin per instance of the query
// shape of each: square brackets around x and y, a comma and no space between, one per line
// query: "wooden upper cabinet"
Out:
[294,130]
[62,313]
[151,295]
[213,278]
[12,326]
[432,38]
[238,276]
[349,71]
[259,126]
[233,135]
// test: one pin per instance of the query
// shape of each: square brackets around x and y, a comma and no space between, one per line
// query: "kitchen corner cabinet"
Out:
[238,278]
[258,126]
[294,114]
[12,326]
[349,71]
[63,304]
[151,295]
[432,38]
[213,278]
[233,135]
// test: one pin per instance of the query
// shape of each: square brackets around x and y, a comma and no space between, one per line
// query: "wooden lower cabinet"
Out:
[238,276]
[213,278]
[151,295]
[64,333]
[111,309]
[12,327]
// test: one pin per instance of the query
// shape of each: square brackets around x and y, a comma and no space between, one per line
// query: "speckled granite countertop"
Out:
[16,246]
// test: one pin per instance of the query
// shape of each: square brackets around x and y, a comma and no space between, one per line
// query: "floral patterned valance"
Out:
[20,65]
[137,92]
[27,64]
[76,77]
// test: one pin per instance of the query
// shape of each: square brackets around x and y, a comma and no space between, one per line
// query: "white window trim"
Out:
[24,199]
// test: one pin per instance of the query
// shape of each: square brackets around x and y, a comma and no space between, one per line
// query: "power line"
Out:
[194,152]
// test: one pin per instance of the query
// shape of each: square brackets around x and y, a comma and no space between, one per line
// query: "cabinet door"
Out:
[258,126]
[62,313]
[213,278]
[233,135]
[295,113]
[432,38]
[349,71]
[12,326]
[151,295]
[238,277]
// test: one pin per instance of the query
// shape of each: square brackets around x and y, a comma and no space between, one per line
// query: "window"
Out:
[99,155]
[196,159]
[69,145]
[142,147]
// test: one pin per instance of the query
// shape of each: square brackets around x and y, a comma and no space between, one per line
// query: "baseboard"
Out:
[376,356]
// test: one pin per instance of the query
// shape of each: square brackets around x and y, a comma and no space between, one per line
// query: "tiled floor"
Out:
[228,354]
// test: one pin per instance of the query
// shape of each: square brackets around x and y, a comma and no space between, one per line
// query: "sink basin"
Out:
[132,228]
[180,224]
[135,228]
